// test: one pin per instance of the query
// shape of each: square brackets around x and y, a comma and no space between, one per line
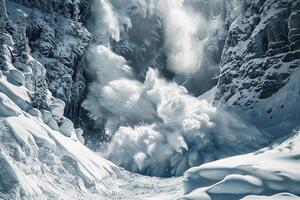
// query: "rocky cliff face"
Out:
[52,33]
[261,51]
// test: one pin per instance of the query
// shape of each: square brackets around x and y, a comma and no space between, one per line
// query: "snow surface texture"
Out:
[269,173]
[38,162]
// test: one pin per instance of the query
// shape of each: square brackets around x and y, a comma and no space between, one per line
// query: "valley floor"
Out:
[133,186]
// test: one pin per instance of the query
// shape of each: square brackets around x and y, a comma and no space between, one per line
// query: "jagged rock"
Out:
[259,55]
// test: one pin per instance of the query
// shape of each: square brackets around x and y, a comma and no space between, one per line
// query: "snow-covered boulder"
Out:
[57,109]
[46,115]
[16,77]
[53,124]
[35,112]
[79,133]
[48,119]
[67,127]
[26,68]
[8,107]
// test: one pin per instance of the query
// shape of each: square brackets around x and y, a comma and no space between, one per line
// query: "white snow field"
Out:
[269,171]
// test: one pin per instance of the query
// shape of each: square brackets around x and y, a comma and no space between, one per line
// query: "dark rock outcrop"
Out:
[260,53]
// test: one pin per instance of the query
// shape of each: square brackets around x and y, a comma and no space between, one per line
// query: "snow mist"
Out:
[156,127]
[182,42]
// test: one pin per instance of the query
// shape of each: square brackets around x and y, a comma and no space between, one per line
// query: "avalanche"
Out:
[171,130]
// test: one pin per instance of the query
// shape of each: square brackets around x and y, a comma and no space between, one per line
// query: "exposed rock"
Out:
[259,55]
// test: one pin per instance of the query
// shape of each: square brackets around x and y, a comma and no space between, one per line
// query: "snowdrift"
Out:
[36,160]
[269,173]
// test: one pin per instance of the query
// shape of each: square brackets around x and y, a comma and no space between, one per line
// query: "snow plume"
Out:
[182,28]
[111,17]
[157,128]
[105,23]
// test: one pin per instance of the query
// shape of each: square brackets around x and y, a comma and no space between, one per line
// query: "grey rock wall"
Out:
[262,50]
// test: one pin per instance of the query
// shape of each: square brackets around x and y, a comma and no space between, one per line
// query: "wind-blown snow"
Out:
[182,42]
[157,128]
[107,25]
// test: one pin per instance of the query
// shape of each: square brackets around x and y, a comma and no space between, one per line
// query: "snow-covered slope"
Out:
[52,33]
[273,170]
[147,60]
[39,162]
[42,155]
[261,56]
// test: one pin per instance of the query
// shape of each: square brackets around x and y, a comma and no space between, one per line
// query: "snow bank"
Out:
[16,77]
[271,170]
[42,156]
[8,107]
[39,162]
[17,93]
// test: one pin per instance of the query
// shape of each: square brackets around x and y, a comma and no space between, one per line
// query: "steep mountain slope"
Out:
[42,155]
[260,56]
[138,67]
[53,35]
